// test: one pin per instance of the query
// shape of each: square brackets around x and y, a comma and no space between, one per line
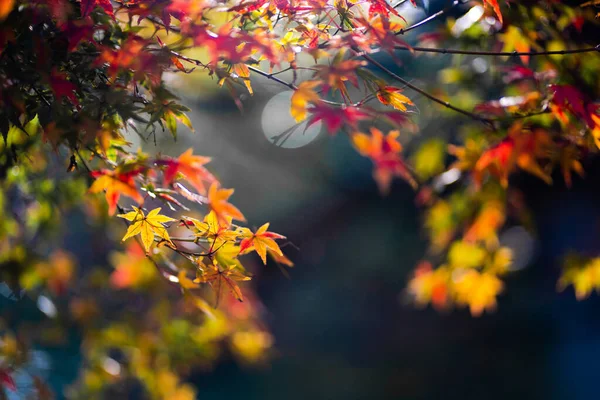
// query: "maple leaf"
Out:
[132,268]
[87,6]
[115,184]
[146,226]
[76,32]
[131,56]
[213,228]
[62,87]
[381,33]
[338,73]
[217,201]
[585,277]
[384,152]
[486,224]
[569,98]
[261,241]
[383,8]
[185,282]
[521,148]
[241,71]
[302,97]
[429,285]
[192,169]
[495,7]
[389,95]
[476,289]
[335,118]
[233,44]
[216,276]
[514,40]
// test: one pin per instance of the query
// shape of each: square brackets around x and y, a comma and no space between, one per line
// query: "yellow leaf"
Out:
[466,255]
[477,290]
[147,226]
[186,282]
[302,97]
[213,228]
[242,71]
[584,278]
[514,40]
[429,159]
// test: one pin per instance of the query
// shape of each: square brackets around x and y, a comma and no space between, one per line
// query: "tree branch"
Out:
[499,53]
[431,97]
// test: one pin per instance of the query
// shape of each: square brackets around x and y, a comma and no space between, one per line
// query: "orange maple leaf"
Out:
[216,276]
[389,95]
[521,148]
[217,201]
[261,241]
[115,184]
[384,152]
[192,168]
[496,8]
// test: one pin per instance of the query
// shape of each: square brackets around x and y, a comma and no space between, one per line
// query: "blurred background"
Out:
[343,328]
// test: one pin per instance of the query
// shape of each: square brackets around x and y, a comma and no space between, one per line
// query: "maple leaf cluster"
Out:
[79,77]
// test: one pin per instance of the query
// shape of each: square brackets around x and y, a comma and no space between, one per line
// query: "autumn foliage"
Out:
[81,77]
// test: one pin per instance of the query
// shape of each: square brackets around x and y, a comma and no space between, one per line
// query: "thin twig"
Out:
[429,19]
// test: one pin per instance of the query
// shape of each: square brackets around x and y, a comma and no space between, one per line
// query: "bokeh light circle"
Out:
[280,128]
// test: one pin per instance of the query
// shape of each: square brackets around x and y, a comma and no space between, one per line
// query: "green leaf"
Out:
[171,122]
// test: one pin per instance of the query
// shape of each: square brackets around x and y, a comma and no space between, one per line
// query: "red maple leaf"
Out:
[192,168]
[115,184]
[87,6]
[62,87]
[335,118]
[383,8]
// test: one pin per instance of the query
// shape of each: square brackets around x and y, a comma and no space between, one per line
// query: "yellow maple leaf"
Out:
[243,72]
[146,226]
[514,40]
[214,229]
[478,290]
[584,278]
[302,97]
[463,254]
